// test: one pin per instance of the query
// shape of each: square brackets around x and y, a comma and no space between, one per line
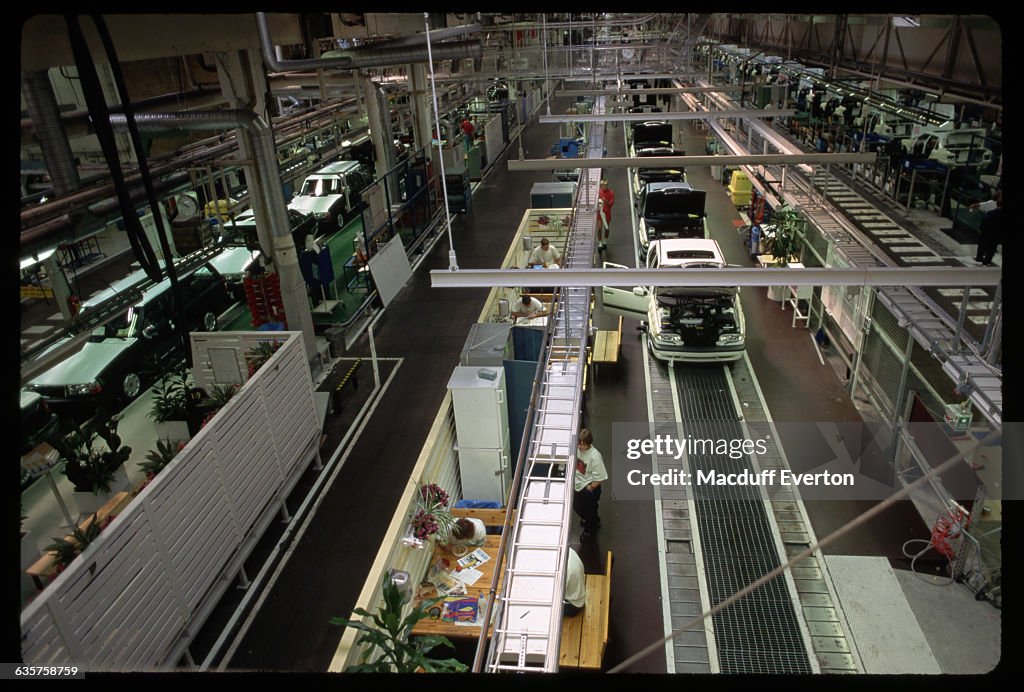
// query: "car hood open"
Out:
[678,202]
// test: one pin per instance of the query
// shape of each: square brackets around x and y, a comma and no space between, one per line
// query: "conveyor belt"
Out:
[685,591]
[760,633]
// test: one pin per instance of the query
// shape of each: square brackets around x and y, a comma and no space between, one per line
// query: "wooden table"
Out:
[481,588]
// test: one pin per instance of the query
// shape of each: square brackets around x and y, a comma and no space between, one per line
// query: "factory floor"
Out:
[421,335]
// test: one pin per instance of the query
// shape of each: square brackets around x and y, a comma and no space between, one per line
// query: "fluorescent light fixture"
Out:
[904,22]
[346,143]
[36,259]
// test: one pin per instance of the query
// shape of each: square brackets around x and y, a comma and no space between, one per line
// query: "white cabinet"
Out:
[481,411]
[486,473]
[481,428]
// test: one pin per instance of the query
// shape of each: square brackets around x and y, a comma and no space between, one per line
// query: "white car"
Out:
[698,253]
[951,147]
[691,324]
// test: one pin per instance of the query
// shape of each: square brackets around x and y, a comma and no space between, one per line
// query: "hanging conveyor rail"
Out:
[527,629]
[969,363]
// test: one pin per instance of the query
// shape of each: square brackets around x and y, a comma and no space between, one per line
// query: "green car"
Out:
[125,354]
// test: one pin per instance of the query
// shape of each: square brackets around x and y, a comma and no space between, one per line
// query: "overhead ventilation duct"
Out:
[46,120]
[435,35]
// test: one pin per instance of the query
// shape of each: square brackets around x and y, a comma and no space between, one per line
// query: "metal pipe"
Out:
[53,140]
[435,35]
[366,57]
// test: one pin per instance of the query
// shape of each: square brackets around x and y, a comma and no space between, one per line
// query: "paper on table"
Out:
[468,576]
[477,557]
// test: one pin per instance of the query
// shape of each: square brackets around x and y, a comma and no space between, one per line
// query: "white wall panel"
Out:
[154,566]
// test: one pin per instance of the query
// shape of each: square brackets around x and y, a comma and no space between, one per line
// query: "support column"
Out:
[419,97]
[242,80]
[379,124]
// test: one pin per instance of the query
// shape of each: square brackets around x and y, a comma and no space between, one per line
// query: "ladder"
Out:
[527,632]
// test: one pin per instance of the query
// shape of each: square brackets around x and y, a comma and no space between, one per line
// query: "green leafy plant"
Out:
[218,395]
[89,468]
[157,459]
[784,236]
[170,395]
[432,515]
[259,354]
[390,639]
[66,550]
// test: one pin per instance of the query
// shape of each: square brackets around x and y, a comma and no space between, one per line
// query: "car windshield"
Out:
[121,327]
[320,187]
[965,139]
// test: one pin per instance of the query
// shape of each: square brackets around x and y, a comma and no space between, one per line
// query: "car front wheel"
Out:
[210,322]
[131,385]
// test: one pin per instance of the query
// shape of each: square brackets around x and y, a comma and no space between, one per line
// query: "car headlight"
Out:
[669,338]
[729,339]
[85,389]
[321,214]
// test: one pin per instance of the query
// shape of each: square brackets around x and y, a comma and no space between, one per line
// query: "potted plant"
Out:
[66,549]
[157,459]
[783,239]
[215,399]
[95,473]
[391,646]
[431,516]
[170,409]
[259,354]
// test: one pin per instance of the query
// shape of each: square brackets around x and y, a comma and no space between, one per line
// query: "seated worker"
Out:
[528,308]
[469,532]
[544,254]
[575,595]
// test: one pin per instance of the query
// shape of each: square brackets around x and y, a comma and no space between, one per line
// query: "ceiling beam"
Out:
[781,276]
[688,115]
[660,90]
[688,161]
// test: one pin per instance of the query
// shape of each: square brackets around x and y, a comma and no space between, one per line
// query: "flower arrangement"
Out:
[431,517]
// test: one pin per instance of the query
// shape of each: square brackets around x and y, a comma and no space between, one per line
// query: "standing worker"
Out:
[605,201]
[590,473]
[467,132]
[991,229]
[755,241]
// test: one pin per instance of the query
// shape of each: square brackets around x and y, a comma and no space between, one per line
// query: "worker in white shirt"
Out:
[544,254]
[528,308]
[575,595]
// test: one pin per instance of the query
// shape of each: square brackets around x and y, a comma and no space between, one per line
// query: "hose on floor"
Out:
[949,526]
